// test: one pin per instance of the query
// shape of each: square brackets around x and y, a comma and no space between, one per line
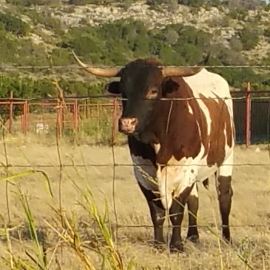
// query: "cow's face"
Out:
[140,88]
[142,83]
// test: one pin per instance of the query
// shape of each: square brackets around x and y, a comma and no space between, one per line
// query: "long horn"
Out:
[102,72]
[180,71]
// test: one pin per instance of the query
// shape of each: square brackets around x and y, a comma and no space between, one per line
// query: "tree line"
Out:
[115,44]
[248,4]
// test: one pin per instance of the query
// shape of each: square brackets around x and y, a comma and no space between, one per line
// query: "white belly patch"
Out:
[174,178]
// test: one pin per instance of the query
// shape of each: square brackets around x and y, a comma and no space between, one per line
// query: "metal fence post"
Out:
[23,117]
[248,115]
[75,115]
[10,117]
[59,120]
[114,120]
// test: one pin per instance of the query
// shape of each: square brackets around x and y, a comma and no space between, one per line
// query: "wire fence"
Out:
[75,66]
[114,164]
[93,116]
[94,121]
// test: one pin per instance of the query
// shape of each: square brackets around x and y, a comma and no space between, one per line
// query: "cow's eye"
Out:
[152,93]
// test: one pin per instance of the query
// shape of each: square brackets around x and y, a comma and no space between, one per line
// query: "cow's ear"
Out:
[113,87]
[169,86]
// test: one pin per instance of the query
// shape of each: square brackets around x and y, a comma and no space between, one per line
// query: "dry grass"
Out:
[77,237]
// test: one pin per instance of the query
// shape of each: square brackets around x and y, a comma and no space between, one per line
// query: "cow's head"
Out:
[142,83]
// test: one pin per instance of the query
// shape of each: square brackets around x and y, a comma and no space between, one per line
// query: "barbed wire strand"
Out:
[121,226]
[6,101]
[6,171]
[127,165]
[115,164]
[268,128]
[167,210]
[117,225]
[14,67]
[114,172]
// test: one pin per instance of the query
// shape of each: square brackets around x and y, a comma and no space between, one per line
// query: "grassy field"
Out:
[95,196]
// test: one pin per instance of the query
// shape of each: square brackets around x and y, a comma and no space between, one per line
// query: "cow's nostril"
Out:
[133,121]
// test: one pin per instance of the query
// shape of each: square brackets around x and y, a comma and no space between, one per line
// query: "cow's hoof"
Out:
[229,241]
[193,238]
[160,246]
[177,247]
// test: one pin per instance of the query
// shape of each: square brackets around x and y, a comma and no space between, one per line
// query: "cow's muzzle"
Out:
[127,125]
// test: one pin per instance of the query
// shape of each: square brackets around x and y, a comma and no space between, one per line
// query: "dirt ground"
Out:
[92,167]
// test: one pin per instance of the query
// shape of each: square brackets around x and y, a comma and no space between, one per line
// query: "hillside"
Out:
[32,34]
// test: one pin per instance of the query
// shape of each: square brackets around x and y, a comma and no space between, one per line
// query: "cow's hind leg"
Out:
[176,216]
[157,215]
[225,193]
[193,206]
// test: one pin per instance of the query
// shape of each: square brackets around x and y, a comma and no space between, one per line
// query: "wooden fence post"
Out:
[248,115]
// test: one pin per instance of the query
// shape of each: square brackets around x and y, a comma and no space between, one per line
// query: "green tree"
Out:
[14,25]
[171,36]
[190,53]
[267,32]
[236,44]
[193,3]
[28,3]
[246,4]
[170,57]
[249,36]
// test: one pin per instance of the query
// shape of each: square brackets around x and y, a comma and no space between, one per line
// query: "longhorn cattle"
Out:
[180,130]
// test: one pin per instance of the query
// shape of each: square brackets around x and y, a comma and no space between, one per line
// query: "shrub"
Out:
[267,7]
[236,44]
[249,36]
[85,2]
[267,32]
[238,14]
[219,22]
[192,3]
[27,3]
[14,25]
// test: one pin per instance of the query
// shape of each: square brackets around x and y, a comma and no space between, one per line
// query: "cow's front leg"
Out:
[176,216]
[193,206]
[157,215]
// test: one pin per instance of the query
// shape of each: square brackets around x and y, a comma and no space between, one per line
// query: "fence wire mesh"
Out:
[92,117]
[76,140]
